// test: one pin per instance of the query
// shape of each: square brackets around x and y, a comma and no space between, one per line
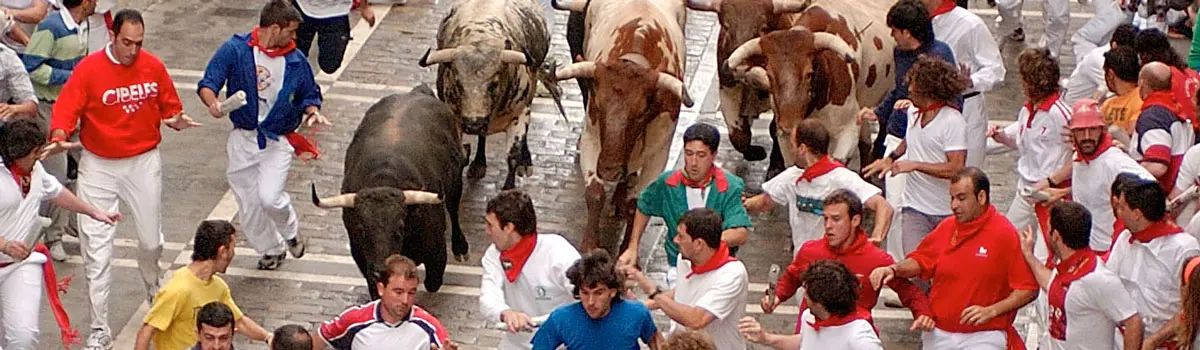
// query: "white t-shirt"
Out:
[1189,171]
[857,335]
[721,292]
[541,287]
[1088,76]
[1150,273]
[697,197]
[1091,186]
[270,80]
[805,199]
[972,43]
[17,214]
[929,144]
[1039,140]
[1095,305]
[325,8]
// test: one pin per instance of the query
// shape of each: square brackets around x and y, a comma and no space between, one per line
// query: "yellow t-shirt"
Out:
[1123,111]
[177,303]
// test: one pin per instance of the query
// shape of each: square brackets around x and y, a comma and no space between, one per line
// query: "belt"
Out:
[970,94]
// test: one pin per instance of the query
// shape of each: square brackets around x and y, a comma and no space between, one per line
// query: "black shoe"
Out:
[1017,35]
[297,246]
[271,262]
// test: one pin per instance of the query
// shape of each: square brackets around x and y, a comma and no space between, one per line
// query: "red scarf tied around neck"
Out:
[820,167]
[720,258]
[275,52]
[945,7]
[1070,270]
[514,259]
[834,321]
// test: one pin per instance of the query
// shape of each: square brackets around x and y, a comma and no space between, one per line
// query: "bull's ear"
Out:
[832,80]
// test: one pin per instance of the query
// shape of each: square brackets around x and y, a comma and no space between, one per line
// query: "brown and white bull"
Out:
[631,68]
[815,82]
[489,53]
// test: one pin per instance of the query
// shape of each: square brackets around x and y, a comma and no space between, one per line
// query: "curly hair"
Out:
[689,340]
[596,268]
[831,284]
[1190,307]
[1039,71]
[936,79]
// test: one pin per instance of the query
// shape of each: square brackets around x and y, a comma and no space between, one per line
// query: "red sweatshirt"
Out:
[121,107]
[861,258]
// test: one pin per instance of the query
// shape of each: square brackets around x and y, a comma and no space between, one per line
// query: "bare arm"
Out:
[735,236]
[686,315]
[655,342]
[955,161]
[883,218]
[1015,300]
[1040,272]
[34,14]
[1134,331]
[758,204]
[17,34]
[1155,168]
[143,337]
[69,201]
[630,256]
[1162,334]
[252,330]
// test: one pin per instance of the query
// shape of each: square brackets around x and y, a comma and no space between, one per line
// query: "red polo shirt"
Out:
[981,266]
[861,257]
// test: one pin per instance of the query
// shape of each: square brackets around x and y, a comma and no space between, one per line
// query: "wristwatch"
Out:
[895,155]
[657,290]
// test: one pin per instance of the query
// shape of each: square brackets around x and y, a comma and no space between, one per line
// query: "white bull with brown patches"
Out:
[631,70]
[489,53]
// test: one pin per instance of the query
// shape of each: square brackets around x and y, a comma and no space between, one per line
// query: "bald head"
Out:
[1155,76]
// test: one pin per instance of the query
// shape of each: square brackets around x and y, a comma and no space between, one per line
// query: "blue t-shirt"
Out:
[570,325]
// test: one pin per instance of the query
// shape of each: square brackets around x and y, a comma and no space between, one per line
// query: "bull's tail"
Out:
[546,75]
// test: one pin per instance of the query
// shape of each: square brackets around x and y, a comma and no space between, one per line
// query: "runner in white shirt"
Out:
[1189,176]
[711,292]
[804,187]
[979,58]
[1056,15]
[1087,300]
[933,150]
[1162,133]
[831,321]
[524,272]
[1087,80]
[1109,15]
[24,186]
[1149,258]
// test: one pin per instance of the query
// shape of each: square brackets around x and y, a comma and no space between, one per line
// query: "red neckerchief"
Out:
[834,321]
[305,146]
[714,174]
[276,52]
[820,167]
[1044,107]
[965,230]
[513,259]
[856,246]
[53,288]
[1105,144]
[1158,229]
[1070,270]
[1164,99]
[933,107]
[720,258]
[22,176]
[945,7]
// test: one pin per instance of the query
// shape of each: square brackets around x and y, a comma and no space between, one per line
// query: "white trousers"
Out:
[894,193]
[21,302]
[103,183]
[943,340]
[1056,13]
[1098,30]
[1022,215]
[977,125]
[257,179]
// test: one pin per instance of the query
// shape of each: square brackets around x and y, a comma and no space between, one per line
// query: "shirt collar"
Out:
[68,19]
[108,52]
[1044,106]
[379,315]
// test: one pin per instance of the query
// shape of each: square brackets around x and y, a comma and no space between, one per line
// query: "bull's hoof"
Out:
[461,257]
[755,153]
[476,171]
[524,170]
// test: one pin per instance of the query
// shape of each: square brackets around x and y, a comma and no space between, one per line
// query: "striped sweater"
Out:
[54,50]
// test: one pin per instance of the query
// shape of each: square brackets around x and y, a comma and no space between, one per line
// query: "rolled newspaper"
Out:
[1184,198]
[1036,196]
[235,101]
[534,323]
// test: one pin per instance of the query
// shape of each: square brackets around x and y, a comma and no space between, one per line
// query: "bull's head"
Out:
[382,208]
[482,73]
[742,20]
[805,71]
[629,94]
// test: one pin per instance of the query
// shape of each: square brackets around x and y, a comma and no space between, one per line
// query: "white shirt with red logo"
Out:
[805,199]
[363,328]
[1038,135]
[1095,305]
[1151,273]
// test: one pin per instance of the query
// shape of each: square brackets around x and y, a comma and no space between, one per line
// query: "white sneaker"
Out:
[99,340]
[57,253]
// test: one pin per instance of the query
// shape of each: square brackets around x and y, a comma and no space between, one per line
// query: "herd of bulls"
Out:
[819,59]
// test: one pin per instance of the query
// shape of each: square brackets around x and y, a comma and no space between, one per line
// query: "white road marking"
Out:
[1037,14]
[227,207]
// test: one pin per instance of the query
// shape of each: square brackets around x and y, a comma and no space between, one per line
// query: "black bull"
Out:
[403,173]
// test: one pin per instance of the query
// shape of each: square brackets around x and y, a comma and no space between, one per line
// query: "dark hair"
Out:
[1148,197]
[126,15]
[1122,182]
[688,339]
[703,223]
[706,134]
[911,15]
[210,237]
[19,137]
[1125,35]
[291,337]
[1153,45]
[1073,223]
[1124,63]
[1039,70]
[72,3]
[214,314]
[397,265]
[812,133]
[978,178]
[829,283]
[846,197]
[595,269]
[514,207]
[279,12]
[936,79]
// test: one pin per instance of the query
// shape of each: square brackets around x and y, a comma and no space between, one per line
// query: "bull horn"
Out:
[789,6]
[515,57]
[675,86]
[421,197]
[638,59]
[701,5]
[757,77]
[345,200]
[748,49]
[570,5]
[577,70]
[437,57]
[827,41]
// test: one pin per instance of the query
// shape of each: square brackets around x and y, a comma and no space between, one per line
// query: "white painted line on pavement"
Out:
[1038,14]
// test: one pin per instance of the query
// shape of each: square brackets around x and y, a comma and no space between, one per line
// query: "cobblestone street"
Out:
[383,61]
